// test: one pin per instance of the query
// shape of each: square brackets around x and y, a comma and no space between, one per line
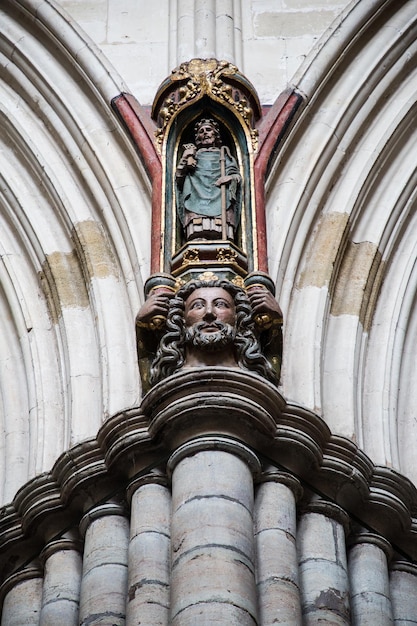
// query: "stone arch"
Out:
[340,212]
[74,198]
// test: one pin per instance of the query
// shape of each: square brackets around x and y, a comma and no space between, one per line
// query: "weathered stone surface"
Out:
[323,570]
[148,597]
[22,604]
[276,555]
[212,538]
[104,578]
[61,589]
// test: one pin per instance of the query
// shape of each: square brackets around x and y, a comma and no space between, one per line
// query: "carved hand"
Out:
[224,180]
[266,310]
[156,305]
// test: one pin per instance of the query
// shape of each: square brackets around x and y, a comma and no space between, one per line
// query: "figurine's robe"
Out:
[198,194]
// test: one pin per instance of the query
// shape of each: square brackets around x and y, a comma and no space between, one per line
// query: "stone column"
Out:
[403,585]
[323,565]
[369,581]
[276,554]
[104,577]
[213,577]
[22,594]
[62,579]
[149,551]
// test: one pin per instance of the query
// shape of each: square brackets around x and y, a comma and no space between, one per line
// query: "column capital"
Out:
[328,509]
[212,442]
[273,474]
[155,476]
[26,573]
[102,510]
[365,536]
[59,545]
[404,566]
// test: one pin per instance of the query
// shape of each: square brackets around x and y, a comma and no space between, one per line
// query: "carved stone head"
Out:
[209,324]
[207,133]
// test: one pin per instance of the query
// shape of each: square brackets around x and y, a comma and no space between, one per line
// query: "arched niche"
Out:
[177,108]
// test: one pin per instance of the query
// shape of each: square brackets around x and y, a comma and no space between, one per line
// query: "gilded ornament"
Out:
[206,277]
[190,256]
[226,255]
[201,77]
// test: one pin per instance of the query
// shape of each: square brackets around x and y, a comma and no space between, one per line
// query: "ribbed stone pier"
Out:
[276,555]
[323,565]
[149,551]
[213,570]
[104,578]
[369,580]
[22,602]
[62,580]
[403,585]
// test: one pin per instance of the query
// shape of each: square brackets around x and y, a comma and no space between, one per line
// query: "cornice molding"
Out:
[201,407]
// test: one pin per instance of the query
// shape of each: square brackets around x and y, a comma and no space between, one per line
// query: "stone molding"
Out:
[103,510]
[272,475]
[154,477]
[214,443]
[328,509]
[364,536]
[240,409]
[60,545]
[27,573]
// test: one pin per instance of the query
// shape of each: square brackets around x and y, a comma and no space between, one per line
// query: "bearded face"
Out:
[203,336]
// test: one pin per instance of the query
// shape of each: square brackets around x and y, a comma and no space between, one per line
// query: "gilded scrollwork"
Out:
[190,81]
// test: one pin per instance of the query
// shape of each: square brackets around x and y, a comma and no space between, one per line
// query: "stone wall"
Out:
[267,39]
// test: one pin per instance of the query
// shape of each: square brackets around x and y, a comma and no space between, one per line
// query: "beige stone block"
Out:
[151,510]
[280,603]
[275,508]
[323,248]
[105,542]
[278,556]
[320,537]
[360,266]
[403,586]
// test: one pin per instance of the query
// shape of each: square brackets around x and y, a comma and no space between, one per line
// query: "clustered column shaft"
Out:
[149,551]
[323,565]
[276,555]
[22,603]
[369,580]
[61,585]
[403,586]
[213,573]
[104,578]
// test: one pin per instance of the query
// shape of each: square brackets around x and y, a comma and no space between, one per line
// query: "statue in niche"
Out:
[208,185]
[209,324]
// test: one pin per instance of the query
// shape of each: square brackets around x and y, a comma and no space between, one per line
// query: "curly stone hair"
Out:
[170,356]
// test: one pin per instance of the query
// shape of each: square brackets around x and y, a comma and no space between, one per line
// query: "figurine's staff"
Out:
[223,191]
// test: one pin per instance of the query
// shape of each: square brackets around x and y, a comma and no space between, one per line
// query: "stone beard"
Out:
[213,342]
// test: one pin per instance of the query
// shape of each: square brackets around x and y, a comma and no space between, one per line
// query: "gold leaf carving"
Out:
[190,256]
[226,255]
[205,76]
